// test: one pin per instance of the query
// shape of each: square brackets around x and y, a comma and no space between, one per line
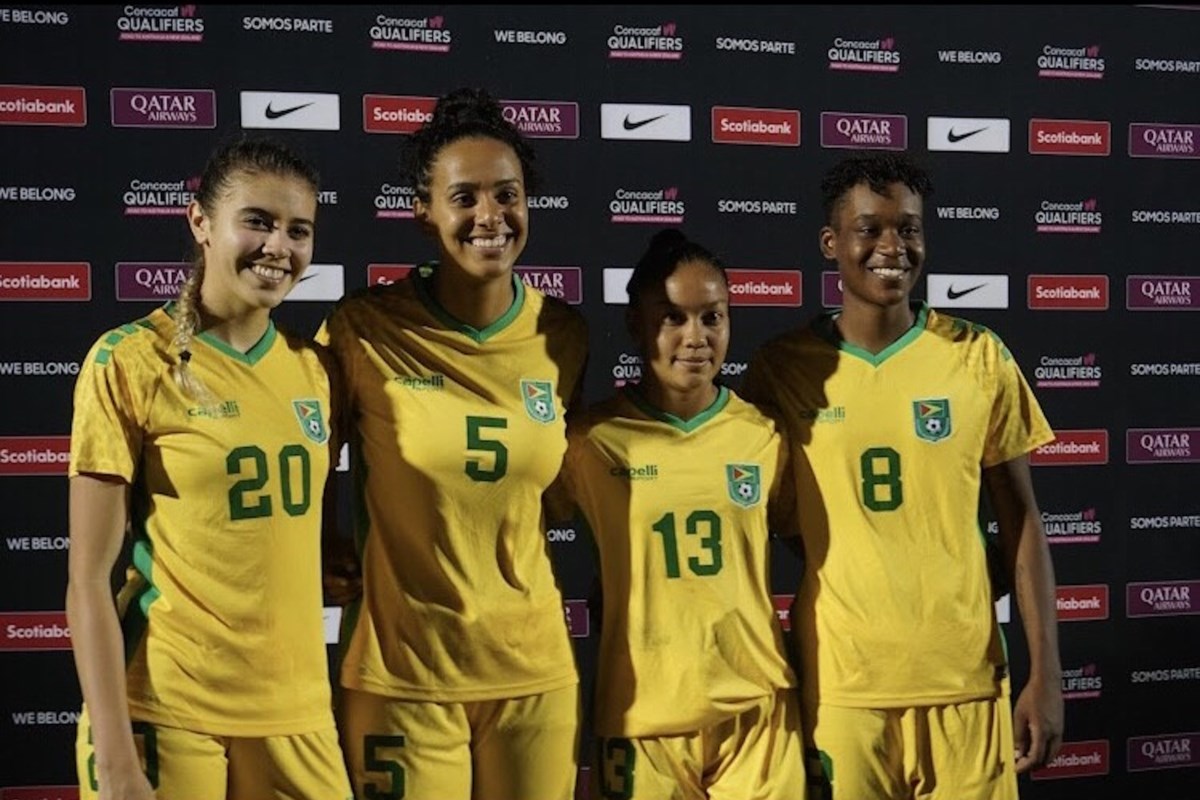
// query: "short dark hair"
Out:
[461,114]
[878,170]
[667,250]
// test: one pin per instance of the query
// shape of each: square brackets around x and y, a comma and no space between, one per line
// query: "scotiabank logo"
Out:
[1069,137]
[770,126]
[34,630]
[764,287]
[40,793]
[783,609]
[1077,760]
[34,455]
[1079,603]
[1088,447]
[43,105]
[45,281]
[578,622]
[1068,292]
[385,113]
[386,274]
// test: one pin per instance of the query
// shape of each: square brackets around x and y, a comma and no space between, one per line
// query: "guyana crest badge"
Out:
[744,483]
[539,400]
[312,421]
[932,419]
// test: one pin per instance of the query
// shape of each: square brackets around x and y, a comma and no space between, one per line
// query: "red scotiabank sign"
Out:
[1076,760]
[1088,447]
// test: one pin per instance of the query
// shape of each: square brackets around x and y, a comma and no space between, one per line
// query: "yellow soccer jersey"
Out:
[894,607]
[458,432]
[223,623]
[678,511]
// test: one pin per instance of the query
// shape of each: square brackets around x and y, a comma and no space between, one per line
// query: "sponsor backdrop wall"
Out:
[1064,142]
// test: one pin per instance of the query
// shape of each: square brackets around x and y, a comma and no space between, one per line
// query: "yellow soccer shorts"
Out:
[961,751]
[522,748]
[755,755]
[184,765]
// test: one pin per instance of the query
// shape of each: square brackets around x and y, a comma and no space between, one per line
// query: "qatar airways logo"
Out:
[1072,527]
[150,281]
[385,113]
[1081,603]
[655,206]
[156,198]
[1162,445]
[1080,216]
[1162,599]
[34,455]
[1165,751]
[163,108]
[1068,292]
[1070,137]
[864,55]
[578,621]
[1077,760]
[864,131]
[1162,293]
[543,119]
[1163,140]
[1071,62]
[394,201]
[1073,447]
[414,34]
[655,42]
[34,630]
[160,24]
[1068,372]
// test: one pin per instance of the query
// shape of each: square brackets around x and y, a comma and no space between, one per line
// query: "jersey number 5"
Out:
[476,440]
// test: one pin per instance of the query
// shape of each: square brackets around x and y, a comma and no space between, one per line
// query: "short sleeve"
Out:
[1017,424]
[110,411]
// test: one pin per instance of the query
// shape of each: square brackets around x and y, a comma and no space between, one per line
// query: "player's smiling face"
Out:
[878,242]
[477,207]
[683,328]
[257,241]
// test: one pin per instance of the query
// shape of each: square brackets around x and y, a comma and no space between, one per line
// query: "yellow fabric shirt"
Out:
[678,512]
[458,433]
[222,612]
[894,608]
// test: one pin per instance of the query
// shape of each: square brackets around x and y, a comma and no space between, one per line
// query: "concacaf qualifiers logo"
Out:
[539,400]
[418,34]
[932,419]
[312,421]
[160,24]
[657,42]
[744,483]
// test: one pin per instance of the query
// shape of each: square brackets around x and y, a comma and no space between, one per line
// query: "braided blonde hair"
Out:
[246,155]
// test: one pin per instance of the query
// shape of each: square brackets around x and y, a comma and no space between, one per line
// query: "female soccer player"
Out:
[459,675]
[694,697]
[204,432]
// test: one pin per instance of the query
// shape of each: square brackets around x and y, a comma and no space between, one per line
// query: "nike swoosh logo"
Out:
[958,137]
[307,276]
[951,294]
[283,112]
[633,126]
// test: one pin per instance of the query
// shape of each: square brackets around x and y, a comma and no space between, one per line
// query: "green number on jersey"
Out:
[617,760]
[372,763]
[476,441]
[240,506]
[881,485]
[711,542]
